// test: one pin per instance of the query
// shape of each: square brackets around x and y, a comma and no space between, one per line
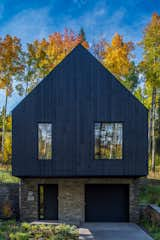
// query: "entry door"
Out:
[48,202]
[106,203]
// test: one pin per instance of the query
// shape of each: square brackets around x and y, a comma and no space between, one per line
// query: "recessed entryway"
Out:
[48,201]
[106,202]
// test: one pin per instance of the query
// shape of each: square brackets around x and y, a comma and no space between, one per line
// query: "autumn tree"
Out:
[43,55]
[98,49]
[151,70]
[10,66]
[116,56]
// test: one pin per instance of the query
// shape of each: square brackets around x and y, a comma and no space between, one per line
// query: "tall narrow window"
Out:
[41,202]
[108,140]
[44,141]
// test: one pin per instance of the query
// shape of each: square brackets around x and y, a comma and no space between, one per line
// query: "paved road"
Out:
[112,231]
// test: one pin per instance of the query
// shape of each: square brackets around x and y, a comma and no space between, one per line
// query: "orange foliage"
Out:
[10,63]
[47,53]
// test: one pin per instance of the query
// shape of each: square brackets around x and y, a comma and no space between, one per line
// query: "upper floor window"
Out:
[108,140]
[45,141]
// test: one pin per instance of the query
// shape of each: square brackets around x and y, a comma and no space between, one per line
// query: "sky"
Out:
[36,19]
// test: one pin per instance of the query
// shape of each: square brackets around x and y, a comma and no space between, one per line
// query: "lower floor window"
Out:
[41,201]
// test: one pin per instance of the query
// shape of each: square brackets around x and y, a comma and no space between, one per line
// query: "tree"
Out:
[116,56]
[82,38]
[131,80]
[82,34]
[43,55]
[157,128]
[10,66]
[151,70]
[98,49]
[7,149]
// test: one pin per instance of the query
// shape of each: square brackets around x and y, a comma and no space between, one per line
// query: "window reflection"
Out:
[108,140]
[41,202]
[44,141]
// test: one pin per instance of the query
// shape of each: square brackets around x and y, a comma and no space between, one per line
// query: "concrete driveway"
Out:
[112,231]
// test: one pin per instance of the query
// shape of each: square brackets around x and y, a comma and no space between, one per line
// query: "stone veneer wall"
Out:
[71,195]
[9,197]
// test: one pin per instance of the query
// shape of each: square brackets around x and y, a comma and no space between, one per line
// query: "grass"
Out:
[152,229]
[6,175]
[13,230]
[150,194]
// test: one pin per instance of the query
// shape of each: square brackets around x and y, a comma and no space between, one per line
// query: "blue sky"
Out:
[36,19]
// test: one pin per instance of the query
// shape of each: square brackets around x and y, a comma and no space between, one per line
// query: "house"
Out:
[80,145]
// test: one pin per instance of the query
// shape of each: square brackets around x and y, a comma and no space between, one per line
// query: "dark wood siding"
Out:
[79,92]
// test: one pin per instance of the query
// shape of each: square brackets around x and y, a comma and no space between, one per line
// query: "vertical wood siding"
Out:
[79,92]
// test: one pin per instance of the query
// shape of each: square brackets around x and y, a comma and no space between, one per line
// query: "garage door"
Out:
[106,203]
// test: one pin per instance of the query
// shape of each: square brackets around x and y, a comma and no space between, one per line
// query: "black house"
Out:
[80,145]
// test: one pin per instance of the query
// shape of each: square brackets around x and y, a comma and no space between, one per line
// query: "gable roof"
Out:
[78,50]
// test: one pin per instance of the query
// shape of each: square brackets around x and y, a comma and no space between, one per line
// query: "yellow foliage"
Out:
[116,56]
[151,44]
[7,148]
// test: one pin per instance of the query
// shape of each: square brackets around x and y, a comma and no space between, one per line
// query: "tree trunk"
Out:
[26,90]
[4,126]
[153,129]
[150,130]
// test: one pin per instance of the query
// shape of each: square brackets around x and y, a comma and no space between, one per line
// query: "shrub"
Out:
[150,194]
[25,226]
[42,231]
[152,228]
[66,232]
[2,235]
[19,236]
[12,230]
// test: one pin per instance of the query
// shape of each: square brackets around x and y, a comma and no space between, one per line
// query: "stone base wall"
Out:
[71,197]
[9,200]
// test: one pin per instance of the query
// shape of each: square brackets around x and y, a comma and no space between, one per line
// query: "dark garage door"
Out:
[106,203]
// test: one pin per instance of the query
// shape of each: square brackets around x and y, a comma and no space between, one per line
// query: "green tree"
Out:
[82,34]
[131,80]
[151,70]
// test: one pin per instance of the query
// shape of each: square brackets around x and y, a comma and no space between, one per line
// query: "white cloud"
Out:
[29,24]
[97,23]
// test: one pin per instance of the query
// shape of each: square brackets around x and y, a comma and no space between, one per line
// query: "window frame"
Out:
[109,159]
[37,135]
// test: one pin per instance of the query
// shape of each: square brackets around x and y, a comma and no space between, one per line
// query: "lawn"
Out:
[6,175]
[13,230]
[150,194]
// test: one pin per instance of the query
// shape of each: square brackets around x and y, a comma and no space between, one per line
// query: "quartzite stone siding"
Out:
[71,197]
